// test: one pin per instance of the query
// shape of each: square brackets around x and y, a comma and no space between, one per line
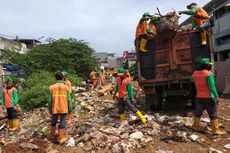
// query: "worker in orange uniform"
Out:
[59,104]
[207,96]
[201,19]
[9,101]
[103,78]
[93,78]
[68,83]
[145,30]
[125,95]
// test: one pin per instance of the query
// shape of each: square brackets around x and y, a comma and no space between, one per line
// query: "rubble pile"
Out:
[97,127]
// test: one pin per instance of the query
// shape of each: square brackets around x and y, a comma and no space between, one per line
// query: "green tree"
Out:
[72,55]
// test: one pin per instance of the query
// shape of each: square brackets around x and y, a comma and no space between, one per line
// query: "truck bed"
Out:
[171,60]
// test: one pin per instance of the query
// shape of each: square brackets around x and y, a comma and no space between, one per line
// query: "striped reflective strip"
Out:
[59,95]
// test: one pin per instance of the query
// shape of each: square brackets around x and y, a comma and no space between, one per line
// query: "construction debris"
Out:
[28,145]
[167,24]
[105,90]
[97,127]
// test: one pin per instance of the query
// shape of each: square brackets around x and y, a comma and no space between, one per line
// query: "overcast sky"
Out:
[108,25]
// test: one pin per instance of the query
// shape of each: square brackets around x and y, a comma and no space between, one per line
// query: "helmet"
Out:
[8,79]
[205,61]
[190,5]
[146,14]
[121,71]
[64,73]
[58,75]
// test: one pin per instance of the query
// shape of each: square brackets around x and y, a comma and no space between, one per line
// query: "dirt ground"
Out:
[208,140]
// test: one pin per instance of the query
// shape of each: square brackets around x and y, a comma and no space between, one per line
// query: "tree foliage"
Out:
[71,55]
[33,92]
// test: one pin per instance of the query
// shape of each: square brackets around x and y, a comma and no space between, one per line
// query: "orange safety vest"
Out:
[8,96]
[141,29]
[103,79]
[152,27]
[93,76]
[59,93]
[200,78]
[68,83]
[122,84]
[201,16]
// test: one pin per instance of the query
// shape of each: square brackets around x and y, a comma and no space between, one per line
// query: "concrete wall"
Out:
[221,29]
[222,71]
[6,44]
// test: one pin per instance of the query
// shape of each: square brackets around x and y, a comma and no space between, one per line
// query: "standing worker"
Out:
[103,77]
[93,78]
[60,105]
[68,83]
[207,96]
[201,19]
[125,95]
[9,101]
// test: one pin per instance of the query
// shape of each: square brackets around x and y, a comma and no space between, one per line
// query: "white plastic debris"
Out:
[70,142]
[227,146]
[205,119]
[136,135]
[193,137]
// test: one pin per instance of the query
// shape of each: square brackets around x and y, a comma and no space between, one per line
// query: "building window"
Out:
[223,40]
[219,13]
[224,55]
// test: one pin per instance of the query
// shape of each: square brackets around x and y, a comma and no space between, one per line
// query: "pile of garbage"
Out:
[169,24]
[96,127]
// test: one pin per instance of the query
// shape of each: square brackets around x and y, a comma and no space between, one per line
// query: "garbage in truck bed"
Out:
[167,26]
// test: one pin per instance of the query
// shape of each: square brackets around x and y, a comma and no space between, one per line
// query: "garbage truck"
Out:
[165,68]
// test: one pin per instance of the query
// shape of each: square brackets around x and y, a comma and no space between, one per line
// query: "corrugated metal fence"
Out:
[222,70]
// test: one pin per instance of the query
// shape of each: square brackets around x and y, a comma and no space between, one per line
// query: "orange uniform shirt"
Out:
[201,16]
[8,97]
[200,78]
[122,84]
[59,94]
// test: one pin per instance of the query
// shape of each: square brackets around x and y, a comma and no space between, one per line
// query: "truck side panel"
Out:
[171,60]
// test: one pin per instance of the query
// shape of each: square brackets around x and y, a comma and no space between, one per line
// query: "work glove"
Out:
[180,12]
[216,101]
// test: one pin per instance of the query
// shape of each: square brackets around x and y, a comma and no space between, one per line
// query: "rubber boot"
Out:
[61,136]
[215,128]
[196,124]
[143,119]
[52,132]
[142,45]
[122,117]
[203,38]
[70,118]
[16,125]
[10,123]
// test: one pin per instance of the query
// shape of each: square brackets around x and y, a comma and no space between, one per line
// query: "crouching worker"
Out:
[60,105]
[9,101]
[207,96]
[125,95]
